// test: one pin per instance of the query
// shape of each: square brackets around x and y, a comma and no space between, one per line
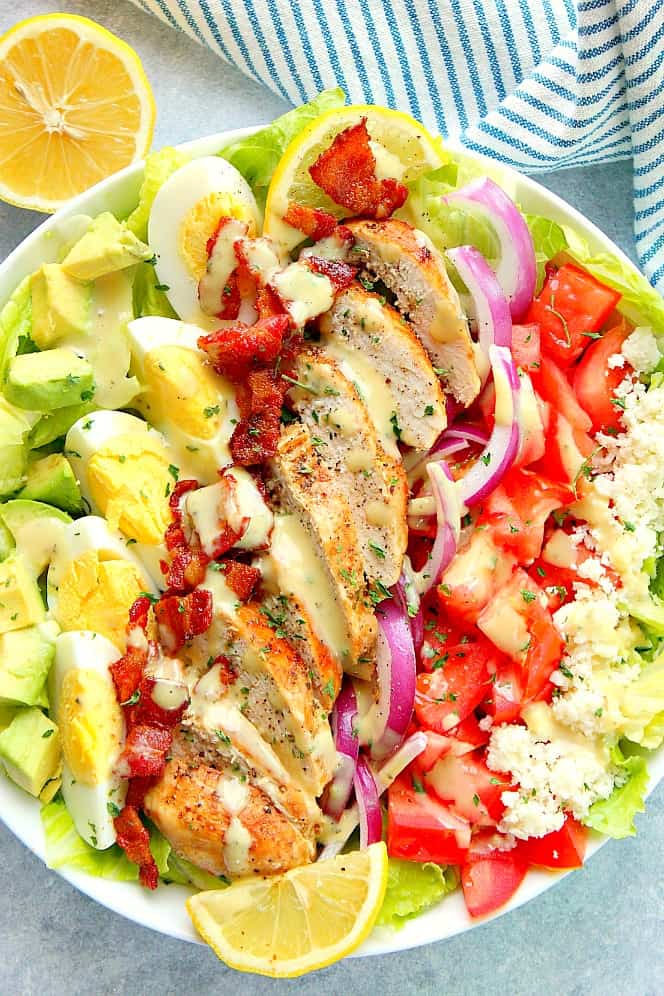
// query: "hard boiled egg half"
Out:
[126,472]
[93,731]
[184,215]
[193,406]
[93,579]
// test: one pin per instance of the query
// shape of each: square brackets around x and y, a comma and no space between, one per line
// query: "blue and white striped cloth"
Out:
[539,84]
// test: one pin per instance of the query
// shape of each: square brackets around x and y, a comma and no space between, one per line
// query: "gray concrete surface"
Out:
[598,933]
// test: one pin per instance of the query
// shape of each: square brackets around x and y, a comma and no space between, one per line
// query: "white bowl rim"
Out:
[163,911]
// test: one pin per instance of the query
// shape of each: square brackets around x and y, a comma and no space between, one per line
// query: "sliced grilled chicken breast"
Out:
[361,472]
[371,338]
[220,821]
[409,265]
[315,553]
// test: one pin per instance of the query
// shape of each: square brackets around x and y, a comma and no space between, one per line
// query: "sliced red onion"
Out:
[445,448]
[448,513]
[347,743]
[470,433]
[516,269]
[501,450]
[396,671]
[366,794]
[383,776]
[489,305]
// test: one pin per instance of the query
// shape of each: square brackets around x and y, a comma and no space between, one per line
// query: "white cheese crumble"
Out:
[641,350]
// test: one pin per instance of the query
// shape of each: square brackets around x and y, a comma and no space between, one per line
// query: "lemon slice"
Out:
[75,106]
[400,143]
[297,922]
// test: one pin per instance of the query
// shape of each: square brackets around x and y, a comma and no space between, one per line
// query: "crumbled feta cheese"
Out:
[640,349]
[615,361]
[550,777]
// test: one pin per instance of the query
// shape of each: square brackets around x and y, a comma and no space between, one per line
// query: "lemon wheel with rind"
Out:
[297,922]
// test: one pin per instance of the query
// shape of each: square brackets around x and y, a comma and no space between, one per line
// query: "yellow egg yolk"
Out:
[183,390]
[91,725]
[130,480]
[200,223]
[96,594]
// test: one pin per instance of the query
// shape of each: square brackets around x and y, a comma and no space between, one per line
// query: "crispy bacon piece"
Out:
[347,173]
[182,617]
[145,750]
[227,670]
[137,790]
[138,613]
[127,672]
[268,303]
[240,578]
[255,437]
[340,274]
[186,570]
[146,712]
[175,499]
[134,840]
[236,351]
[313,222]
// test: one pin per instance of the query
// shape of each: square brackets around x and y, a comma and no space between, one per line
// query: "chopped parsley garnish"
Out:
[528,596]
[396,428]
[378,550]
[211,410]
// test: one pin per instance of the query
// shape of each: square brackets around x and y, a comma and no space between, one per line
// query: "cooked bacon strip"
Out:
[145,750]
[134,840]
[240,578]
[182,617]
[127,673]
[313,222]
[186,570]
[340,274]
[220,292]
[346,172]
[255,437]
[146,712]
[236,351]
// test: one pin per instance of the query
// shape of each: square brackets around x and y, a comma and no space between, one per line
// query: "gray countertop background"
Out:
[598,932]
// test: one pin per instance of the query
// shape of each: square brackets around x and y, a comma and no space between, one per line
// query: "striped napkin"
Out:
[540,85]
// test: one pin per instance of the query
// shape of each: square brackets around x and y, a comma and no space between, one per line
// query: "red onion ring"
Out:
[448,513]
[396,671]
[471,433]
[366,794]
[501,450]
[347,743]
[516,270]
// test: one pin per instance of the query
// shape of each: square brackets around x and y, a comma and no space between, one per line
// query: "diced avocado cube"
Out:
[35,528]
[6,540]
[7,713]
[55,424]
[26,656]
[21,603]
[61,306]
[106,247]
[30,750]
[14,426]
[56,378]
[53,481]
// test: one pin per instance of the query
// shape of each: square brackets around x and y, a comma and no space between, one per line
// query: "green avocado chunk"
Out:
[106,247]
[7,714]
[55,378]
[26,656]
[53,425]
[61,306]
[53,481]
[30,750]
[21,603]
[35,528]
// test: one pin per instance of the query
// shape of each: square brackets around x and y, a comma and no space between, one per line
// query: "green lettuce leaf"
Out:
[256,157]
[64,847]
[412,888]
[183,871]
[15,324]
[643,703]
[158,167]
[147,299]
[615,816]
[548,240]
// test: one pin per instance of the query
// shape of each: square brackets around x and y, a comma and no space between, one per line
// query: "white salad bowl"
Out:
[164,910]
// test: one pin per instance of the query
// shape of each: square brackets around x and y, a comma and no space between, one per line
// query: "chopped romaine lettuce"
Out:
[257,156]
[615,816]
[147,298]
[158,167]
[548,240]
[15,324]
[182,871]
[64,847]
[412,888]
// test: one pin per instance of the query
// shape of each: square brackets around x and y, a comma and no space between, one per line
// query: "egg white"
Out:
[203,457]
[175,199]
[91,807]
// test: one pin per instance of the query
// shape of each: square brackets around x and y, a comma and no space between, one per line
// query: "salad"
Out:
[332,491]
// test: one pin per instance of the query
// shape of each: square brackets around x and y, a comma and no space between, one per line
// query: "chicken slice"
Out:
[315,553]
[372,482]
[218,820]
[364,332]
[406,261]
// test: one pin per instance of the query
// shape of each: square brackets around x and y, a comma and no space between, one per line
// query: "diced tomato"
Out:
[557,582]
[463,739]
[567,450]
[517,510]
[505,619]
[469,787]
[489,880]
[570,304]
[477,571]
[544,652]
[504,700]
[526,347]
[595,382]
[553,385]
[532,424]
[445,697]
[564,848]
[420,828]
